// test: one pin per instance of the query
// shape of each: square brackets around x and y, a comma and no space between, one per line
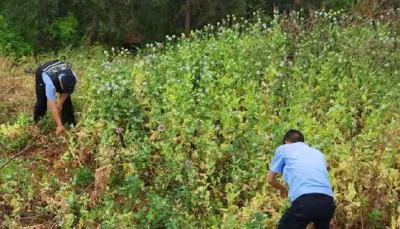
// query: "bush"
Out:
[11,44]
[65,31]
[202,117]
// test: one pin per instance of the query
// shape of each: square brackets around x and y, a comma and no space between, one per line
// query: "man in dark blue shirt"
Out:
[304,169]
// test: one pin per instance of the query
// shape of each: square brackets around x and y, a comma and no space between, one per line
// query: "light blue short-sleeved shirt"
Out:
[50,88]
[303,168]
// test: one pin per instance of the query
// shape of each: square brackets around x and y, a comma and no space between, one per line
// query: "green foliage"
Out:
[340,4]
[65,30]
[83,177]
[16,187]
[16,136]
[11,44]
[50,25]
[202,116]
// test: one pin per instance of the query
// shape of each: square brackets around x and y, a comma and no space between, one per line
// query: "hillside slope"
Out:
[182,136]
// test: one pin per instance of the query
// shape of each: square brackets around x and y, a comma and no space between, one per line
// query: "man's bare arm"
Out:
[56,116]
[271,179]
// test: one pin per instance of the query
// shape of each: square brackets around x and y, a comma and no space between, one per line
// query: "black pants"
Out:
[67,113]
[316,208]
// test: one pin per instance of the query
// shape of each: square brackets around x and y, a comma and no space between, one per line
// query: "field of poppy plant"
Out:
[182,135]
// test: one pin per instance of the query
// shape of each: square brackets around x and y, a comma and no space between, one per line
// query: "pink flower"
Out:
[119,130]
[161,128]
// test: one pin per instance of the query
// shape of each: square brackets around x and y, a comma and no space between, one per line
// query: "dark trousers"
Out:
[67,113]
[316,208]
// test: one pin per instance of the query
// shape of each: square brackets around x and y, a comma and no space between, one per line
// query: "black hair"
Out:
[293,136]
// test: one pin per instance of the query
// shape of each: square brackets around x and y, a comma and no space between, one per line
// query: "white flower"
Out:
[279,75]
[144,83]
[258,73]
[282,64]
[331,101]
[113,49]
[217,128]
[173,36]
[263,84]
[331,109]
[254,144]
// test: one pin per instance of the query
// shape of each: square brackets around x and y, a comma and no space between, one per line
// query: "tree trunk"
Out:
[187,19]
[92,30]
[270,8]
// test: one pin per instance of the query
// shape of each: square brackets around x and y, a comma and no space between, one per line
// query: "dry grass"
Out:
[17,92]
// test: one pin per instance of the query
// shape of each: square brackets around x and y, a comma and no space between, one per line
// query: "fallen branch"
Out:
[16,155]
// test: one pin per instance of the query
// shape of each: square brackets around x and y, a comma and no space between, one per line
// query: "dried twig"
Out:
[16,155]
[4,94]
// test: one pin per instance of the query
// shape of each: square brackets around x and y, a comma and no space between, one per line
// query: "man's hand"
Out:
[284,193]
[60,130]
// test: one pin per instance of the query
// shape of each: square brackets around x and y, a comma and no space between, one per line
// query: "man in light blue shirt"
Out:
[51,78]
[304,170]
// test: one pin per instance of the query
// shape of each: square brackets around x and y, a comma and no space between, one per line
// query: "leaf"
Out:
[153,136]
[352,192]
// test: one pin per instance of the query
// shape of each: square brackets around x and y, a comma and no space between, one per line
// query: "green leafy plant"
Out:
[83,177]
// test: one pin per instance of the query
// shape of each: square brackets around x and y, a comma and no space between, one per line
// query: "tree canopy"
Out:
[43,25]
